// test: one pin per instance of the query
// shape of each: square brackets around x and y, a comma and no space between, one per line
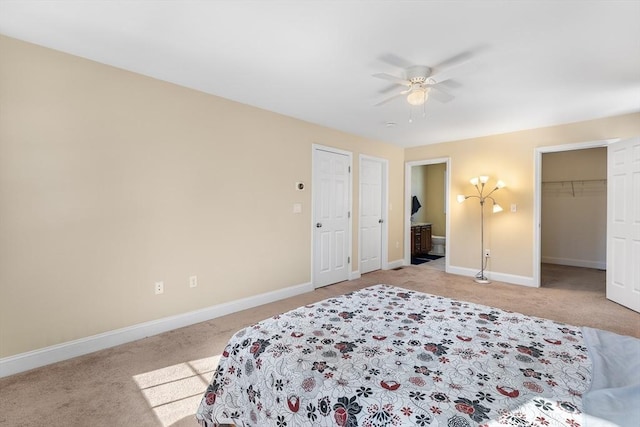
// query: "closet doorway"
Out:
[573,219]
[426,219]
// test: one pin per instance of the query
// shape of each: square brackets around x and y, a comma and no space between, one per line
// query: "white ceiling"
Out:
[533,63]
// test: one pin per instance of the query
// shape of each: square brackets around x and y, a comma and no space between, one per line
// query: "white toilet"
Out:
[438,245]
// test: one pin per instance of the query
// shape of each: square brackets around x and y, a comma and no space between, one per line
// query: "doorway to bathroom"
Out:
[426,207]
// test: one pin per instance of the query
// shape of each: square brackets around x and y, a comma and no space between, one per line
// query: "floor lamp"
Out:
[480,182]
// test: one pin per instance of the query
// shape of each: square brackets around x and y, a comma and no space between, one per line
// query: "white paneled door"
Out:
[331,206]
[371,218]
[623,223]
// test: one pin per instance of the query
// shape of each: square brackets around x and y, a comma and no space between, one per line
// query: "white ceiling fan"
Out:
[421,81]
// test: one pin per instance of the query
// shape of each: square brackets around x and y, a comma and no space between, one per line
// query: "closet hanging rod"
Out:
[575,181]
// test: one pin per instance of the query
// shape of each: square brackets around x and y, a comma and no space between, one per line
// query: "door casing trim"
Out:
[537,194]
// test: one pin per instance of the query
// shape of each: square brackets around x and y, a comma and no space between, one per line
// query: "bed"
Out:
[387,356]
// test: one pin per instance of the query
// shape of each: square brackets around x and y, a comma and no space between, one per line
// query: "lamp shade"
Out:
[461,198]
[474,181]
[497,208]
[501,184]
[484,179]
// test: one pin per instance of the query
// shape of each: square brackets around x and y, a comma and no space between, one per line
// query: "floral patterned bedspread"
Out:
[386,356]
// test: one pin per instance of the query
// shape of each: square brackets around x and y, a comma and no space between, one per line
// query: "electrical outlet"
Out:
[193,281]
[487,253]
[159,288]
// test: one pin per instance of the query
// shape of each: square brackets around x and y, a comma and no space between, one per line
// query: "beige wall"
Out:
[110,181]
[509,157]
[574,208]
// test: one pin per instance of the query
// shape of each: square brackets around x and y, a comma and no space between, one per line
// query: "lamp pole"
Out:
[480,278]
[482,180]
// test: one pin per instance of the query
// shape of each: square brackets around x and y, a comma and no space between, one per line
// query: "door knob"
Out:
[318,225]
[380,221]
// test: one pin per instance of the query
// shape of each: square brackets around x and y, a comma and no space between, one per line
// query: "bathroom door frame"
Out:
[407,205]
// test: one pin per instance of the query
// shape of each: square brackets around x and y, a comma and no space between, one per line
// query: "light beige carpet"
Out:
[158,381]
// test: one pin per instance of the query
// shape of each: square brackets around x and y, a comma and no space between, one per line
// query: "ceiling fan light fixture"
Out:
[418,95]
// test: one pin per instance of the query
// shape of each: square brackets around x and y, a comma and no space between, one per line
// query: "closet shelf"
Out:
[572,183]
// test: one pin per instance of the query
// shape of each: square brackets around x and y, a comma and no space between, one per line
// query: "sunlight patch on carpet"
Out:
[174,392]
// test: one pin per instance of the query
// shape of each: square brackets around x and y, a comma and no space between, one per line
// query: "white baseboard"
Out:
[59,352]
[354,275]
[500,277]
[575,262]
[395,264]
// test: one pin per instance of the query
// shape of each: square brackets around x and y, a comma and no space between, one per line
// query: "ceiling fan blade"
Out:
[390,88]
[451,67]
[389,99]
[455,60]
[440,77]
[439,95]
[395,60]
[450,83]
[391,78]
